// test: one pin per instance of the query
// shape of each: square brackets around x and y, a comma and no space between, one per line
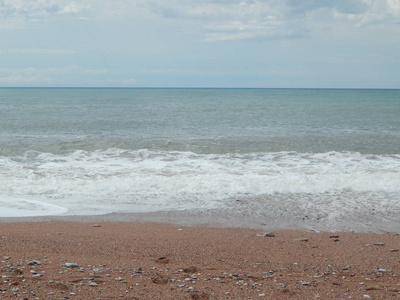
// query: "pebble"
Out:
[34,262]
[305,283]
[266,234]
[96,225]
[379,244]
[393,250]
[93,284]
[302,240]
[367,297]
[382,270]
[71,265]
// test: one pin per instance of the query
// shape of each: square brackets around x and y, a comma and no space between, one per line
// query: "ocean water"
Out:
[324,159]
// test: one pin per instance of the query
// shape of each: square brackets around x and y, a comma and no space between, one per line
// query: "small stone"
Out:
[302,240]
[382,270]
[393,250]
[266,234]
[93,284]
[191,269]
[162,260]
[261,295]
[333,236]
[71,265]
[34,262]
[367,297]
[37,275]
[379,244]
[96,225]
[305,283]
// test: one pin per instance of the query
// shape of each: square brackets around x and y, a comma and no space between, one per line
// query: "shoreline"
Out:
[218,218]
[142,260]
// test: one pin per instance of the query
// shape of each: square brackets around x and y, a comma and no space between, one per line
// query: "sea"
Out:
[317,159]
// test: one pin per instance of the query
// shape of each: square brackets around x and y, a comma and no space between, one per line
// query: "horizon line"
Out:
[210,88]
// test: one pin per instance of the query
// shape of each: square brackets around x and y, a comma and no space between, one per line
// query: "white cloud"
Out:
[41,7]
[38,51]
[129,81]
[248,19]
[221,19]
[384,12]
[175,71]
[118,82]
[18,13]
[72,8]
[46,75]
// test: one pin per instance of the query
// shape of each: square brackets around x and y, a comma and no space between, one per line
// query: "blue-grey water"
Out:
[322,158]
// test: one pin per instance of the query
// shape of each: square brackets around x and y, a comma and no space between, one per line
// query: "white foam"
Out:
[18,207]
[116,180]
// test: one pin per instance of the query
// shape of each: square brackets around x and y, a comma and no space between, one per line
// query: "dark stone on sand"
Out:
[162,260]
[190,270]
[160,280]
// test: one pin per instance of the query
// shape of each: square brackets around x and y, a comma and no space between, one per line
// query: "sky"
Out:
[200,43]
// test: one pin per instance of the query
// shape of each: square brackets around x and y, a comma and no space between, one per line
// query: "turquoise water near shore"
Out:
[320,155]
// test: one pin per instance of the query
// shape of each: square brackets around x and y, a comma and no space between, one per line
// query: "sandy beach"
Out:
[111,260]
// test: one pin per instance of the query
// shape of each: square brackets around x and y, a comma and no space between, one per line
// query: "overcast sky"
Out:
[195,43]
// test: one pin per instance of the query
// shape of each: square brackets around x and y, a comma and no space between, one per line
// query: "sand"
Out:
[156,261]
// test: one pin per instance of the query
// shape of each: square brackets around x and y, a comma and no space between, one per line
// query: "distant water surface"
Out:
[326,159]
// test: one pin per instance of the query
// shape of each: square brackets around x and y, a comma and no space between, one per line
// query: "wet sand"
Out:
[133,260]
